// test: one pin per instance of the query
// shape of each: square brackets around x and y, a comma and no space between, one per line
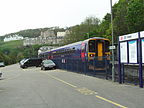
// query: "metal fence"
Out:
[99,67]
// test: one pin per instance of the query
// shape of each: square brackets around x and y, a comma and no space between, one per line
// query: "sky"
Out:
[16,15]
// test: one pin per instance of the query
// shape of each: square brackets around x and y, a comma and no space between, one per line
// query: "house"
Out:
[13,37]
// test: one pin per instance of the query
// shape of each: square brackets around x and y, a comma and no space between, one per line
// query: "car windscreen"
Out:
[48,62]
[1,63]
[24,61]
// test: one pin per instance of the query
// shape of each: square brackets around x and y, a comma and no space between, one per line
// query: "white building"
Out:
[46,37]
[13,37]
[60,36]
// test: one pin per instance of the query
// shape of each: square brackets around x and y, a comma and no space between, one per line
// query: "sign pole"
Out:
[119,64]
[113,70]
[140,63]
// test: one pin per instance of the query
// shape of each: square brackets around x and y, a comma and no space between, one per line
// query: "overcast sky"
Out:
[16,15]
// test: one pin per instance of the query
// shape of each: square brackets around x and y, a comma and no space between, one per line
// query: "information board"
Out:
[123,52]
[133,51]
[142,34]
[142,50]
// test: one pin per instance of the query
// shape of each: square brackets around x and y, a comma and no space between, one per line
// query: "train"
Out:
[93,51]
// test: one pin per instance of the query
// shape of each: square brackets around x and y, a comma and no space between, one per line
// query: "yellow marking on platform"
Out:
[61,80]
[114,103]
[86,91]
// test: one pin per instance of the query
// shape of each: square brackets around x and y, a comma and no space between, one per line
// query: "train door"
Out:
[100,49]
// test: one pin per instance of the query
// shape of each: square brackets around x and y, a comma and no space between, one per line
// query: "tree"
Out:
[88,28]
[120,13]
[135,15]
[104,28]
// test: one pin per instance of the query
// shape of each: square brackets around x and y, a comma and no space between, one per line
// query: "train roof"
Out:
[73,44]
[69,45]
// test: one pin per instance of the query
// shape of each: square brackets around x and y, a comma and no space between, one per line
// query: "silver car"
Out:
[48,64]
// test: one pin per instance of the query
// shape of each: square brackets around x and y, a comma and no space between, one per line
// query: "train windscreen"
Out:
[92,46]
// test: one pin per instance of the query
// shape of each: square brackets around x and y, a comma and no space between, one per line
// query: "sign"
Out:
[128,37]
[123,52]
[133,51]
[142,43]
[112,47]
[142,34]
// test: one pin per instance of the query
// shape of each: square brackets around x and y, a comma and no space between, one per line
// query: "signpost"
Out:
[131,51]
[112,47]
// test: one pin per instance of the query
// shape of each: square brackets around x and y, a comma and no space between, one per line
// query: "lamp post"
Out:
[113,67]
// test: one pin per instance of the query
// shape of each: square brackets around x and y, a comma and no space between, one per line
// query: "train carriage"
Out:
[94,51]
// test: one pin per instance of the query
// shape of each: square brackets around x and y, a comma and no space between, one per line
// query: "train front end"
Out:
[98,53]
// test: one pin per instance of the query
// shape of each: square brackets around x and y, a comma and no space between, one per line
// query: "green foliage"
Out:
[120,25]
[13,51]
[135,15]
[11,44]
[87,29]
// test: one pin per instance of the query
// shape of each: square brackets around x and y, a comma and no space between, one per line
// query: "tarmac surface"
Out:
[34,88]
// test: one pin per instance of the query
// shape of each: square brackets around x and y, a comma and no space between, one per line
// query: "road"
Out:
[34,88]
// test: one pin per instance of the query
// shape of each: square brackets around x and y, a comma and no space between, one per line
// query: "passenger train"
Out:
[93,49]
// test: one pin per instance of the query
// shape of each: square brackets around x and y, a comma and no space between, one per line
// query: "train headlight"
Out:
[92,55]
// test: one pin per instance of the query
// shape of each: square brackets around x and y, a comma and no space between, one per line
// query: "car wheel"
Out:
[41,68]
[44,68]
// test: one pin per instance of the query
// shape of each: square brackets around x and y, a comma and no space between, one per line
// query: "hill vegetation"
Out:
[13,51]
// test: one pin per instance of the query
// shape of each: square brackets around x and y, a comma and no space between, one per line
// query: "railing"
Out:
[95,67]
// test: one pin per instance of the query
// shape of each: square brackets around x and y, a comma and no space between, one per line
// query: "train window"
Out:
[107,46]
[92,46]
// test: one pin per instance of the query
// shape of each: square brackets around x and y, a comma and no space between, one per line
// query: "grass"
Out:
[11,44]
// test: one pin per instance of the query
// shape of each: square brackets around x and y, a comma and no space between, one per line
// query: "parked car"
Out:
[21,61]
[2,64]
[48,64]
[29,62]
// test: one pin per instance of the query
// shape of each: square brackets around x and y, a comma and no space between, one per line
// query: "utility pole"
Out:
[113,67]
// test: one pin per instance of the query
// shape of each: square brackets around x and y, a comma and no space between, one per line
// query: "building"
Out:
[46,37]
[60,37]
[13,37]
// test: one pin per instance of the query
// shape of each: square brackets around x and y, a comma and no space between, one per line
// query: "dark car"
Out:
[21,61]
[2,64]
[48,64]
[29,62]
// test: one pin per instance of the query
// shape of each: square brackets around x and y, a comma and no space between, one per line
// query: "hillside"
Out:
[32,33]
[11,44]
[13,51]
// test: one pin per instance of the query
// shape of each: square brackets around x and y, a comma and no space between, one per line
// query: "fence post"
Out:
[106,69]
[140,62]
[119,65]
